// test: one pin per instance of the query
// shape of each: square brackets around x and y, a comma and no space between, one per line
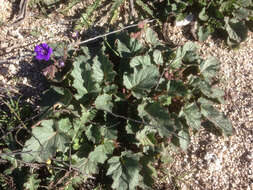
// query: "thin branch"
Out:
[14,153]
[78,43]
[113,32]
[142,122]
[73,168]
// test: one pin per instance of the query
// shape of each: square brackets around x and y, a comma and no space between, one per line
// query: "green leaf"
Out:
[141,111]
[177,87]
[149,173]
[161,119]
[203,33]
[216,117]
[145,7]
[237,30]
[151,37]
[108,146]
[188,47]
[146,136]
[202,15]
[33,182]
[158,58]
[58,49]
[101,152]
[141,81]
[44,143]
[103,69]
[218,94]
[140,60]
[85,165]
[184,139]
[73,182]
[209,68]
[157,112]
[55,95]
[110,89]
[125,171]
[165,100]
[186,53]
[245,3]
[86,116]
[127,46]
[82,75]
[104,102]
[64,125]
[93,134]
[165,154]
[192,115]
[241,13]
[207,89]
[189,52]
[109,133]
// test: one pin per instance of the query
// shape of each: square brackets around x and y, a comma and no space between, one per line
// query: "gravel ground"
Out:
[211,162]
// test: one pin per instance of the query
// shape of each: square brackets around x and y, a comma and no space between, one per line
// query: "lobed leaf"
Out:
[184,139]
[104,102]
[158,58]
[93,134]
[127,46]
[103,69]
[209,68]
[44,143]
[83,80]
[215,116]
[161,119]
[202,15]
[55,95]
[186,53]
[237,31]
[203,33]
[146,137]
[101,152]
[192,115]
[140,60]
[141,81]
[151,37]
[33,182]
[125,171]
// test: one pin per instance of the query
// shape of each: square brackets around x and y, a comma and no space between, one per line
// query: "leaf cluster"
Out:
[225,18]
[117,110]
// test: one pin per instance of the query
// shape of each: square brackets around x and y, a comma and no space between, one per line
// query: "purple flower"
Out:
[75,34]
[43,52]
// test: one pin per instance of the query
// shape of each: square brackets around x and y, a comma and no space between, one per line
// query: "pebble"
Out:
[226,171]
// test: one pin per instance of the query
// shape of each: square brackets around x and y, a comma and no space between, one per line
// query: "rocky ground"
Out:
[211,162]
[214,162]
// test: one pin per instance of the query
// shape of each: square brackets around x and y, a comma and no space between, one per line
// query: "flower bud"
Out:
[61,63]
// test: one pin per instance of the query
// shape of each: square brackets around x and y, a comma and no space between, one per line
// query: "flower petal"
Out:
[43,51]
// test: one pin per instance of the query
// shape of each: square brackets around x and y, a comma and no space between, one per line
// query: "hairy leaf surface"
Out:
[141,81]
[125,171]
[215,116]
[192,115]
[44,143]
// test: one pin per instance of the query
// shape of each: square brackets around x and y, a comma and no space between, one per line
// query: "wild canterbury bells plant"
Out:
[118,108]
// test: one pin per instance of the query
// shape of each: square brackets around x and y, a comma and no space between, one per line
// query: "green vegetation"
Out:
[117,105]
